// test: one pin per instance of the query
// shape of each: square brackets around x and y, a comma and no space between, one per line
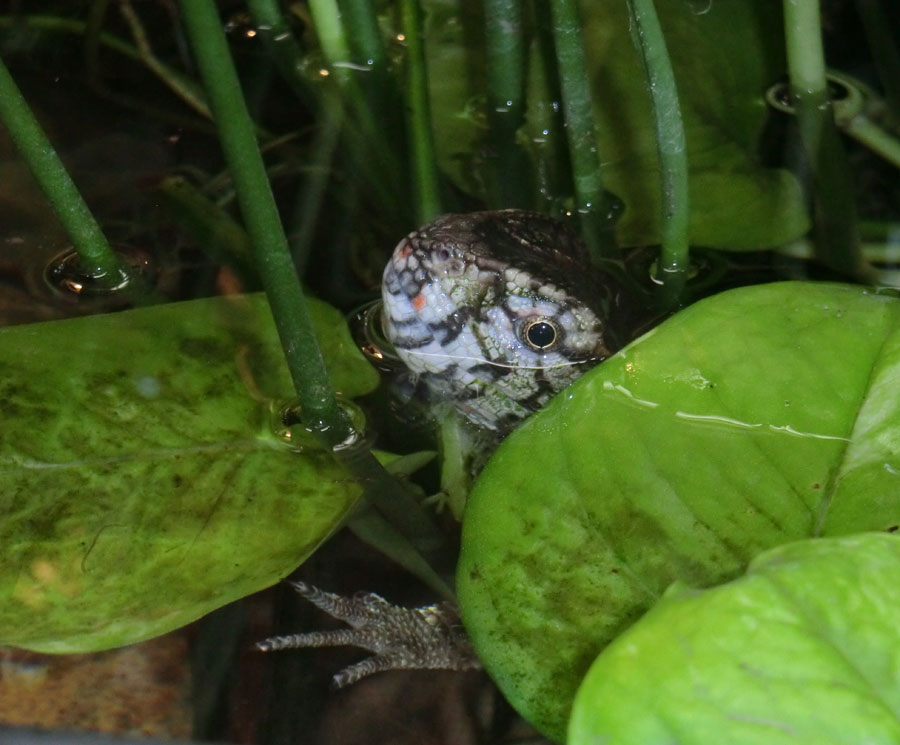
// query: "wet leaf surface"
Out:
[803,649]
[143,477]
[754,418]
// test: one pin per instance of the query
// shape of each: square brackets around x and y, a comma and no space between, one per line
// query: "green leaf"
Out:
[754,418]
[724,55]
[145,477]
[802,650]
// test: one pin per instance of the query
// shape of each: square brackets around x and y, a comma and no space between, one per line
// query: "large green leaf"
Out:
[724,57]
[143,477]
[802,650]
[757,417]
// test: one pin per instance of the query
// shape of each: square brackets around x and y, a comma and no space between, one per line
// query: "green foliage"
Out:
[145,475]
[724,58]
[146,478]
[801,650]
[754,418]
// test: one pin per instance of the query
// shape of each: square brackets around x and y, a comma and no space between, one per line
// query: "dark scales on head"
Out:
[537,244]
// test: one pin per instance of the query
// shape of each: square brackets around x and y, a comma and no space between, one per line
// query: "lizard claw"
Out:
[430,637]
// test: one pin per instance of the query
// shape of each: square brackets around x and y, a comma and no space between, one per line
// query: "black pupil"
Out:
[541,334]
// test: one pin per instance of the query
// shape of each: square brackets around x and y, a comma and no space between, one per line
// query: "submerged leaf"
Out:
[802,650]
[145,475]
[724,56]
[757,417]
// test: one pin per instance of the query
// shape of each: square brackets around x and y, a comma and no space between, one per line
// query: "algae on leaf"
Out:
[804,649]
[751,419]
[143,479]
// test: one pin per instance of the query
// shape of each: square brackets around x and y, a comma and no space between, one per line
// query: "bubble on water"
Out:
[700,7]
[147,386]
[69,279]
[292,427]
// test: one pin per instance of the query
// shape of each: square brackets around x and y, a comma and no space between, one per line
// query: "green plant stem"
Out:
[505,70]
[593,205]
[866,132]
[546,121]
[97,257]
[169,76]
[428,199]
[365,36]
[281,45]
[217,233]
[834,204]
[272,258]
[284,49]
[313,190]
[379,85]
[319,408]
[671,147]
[327,19]
[369,134]
[805,55]
[182,87]
[68,26]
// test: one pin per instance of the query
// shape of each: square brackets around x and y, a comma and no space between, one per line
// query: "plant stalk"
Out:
[365,36]
[270,248]
[327,19]
[319,408]
[504,31]
[834,205]
[671,147]
[882,143]
[97,257]
[593,205]
[369,133]
[288,56]
[181,86]
[281,45]
[428,198]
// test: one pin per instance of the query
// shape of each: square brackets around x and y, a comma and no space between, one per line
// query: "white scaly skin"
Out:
[495,312]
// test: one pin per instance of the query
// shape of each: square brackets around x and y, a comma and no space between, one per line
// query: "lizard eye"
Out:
[540,335]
